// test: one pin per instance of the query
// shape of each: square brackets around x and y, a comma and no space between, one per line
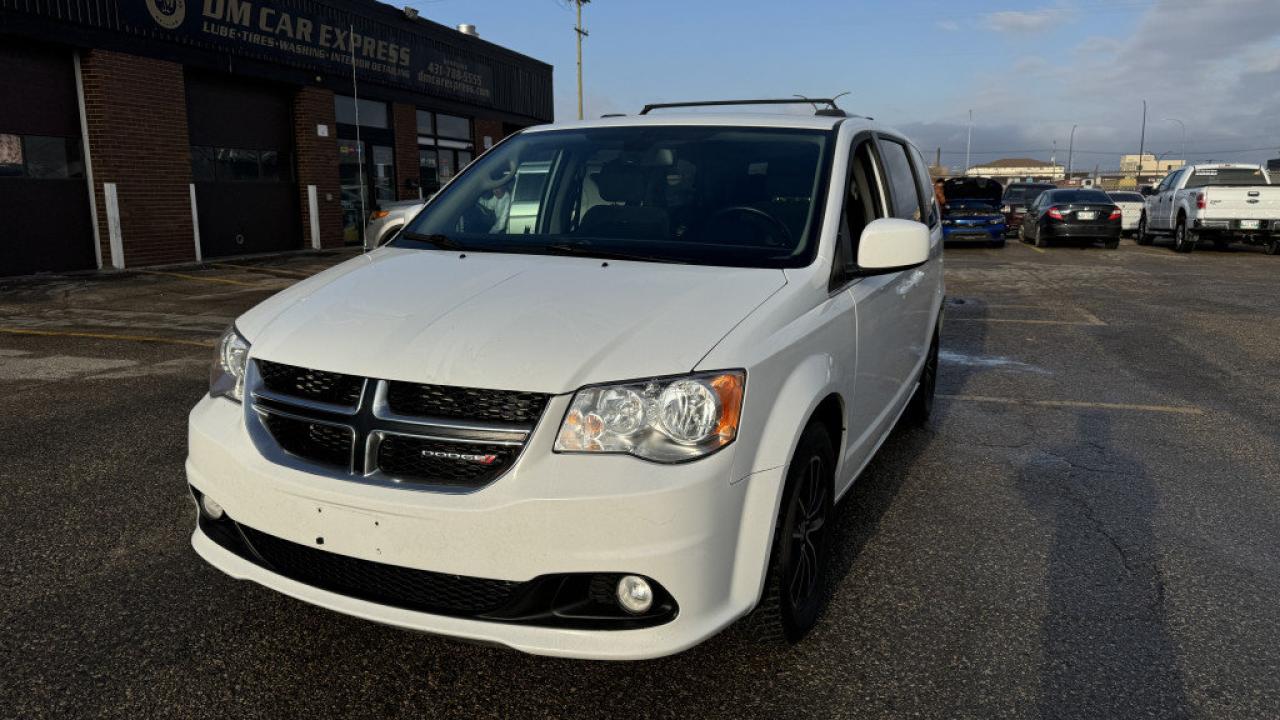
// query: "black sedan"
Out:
[1085,216]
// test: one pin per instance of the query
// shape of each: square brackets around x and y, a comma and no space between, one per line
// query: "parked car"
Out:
[1086,216]
[387,220]
[1017,197]
[1222,202]
[973,211]
[608,433]
[1131,205]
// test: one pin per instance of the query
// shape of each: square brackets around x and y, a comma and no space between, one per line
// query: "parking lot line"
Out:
[108,336]
[264,270]
[197,278]
[1175,409]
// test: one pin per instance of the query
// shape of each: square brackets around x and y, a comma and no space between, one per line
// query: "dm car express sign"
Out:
[296,33]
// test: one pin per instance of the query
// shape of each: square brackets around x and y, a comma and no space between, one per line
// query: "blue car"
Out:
[973,212]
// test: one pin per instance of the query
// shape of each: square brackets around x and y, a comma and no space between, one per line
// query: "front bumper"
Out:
[550,514]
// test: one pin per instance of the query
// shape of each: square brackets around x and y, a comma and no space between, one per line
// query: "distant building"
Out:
[1018,169]
[1150,163]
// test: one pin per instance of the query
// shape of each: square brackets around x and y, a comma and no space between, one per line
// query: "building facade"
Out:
[1150,164]
[140,132]
[1018,169]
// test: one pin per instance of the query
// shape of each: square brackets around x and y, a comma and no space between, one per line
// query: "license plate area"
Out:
[1250,224]
[1086,215]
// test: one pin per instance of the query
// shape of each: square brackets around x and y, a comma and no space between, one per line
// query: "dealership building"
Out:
[143,132]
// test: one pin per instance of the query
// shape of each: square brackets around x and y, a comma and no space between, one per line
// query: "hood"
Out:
[514,322]
[968,188]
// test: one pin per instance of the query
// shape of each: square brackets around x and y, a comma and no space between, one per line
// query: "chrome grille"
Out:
[443,438]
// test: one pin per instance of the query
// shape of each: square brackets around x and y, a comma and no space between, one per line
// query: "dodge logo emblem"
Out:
[168,14]
[464,457]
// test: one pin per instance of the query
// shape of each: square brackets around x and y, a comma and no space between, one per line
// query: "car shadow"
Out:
[1106,648]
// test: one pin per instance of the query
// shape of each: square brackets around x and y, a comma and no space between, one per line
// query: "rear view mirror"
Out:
[890,244]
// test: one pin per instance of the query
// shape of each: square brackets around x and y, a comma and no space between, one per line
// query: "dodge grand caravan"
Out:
[609,430]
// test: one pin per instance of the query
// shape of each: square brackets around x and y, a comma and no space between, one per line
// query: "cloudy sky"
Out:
[1029,70]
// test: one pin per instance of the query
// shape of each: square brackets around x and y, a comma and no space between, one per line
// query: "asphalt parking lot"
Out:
[1087,529]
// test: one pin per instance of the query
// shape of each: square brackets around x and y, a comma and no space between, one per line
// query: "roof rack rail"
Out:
[832,110]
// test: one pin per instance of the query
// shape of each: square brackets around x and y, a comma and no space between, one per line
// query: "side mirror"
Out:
[1147,191]
[889,244]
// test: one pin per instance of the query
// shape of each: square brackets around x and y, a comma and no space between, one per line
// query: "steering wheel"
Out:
[784,232]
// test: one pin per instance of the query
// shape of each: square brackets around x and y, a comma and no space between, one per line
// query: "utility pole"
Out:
[1142,144]
[968,144]
[581,33]
[1071,149]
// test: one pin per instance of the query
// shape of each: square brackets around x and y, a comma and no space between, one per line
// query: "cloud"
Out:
[1024,21]
[949,25]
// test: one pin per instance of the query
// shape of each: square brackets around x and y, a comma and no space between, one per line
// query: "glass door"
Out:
[354,193]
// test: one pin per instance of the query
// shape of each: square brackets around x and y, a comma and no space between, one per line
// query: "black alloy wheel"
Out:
[795,590]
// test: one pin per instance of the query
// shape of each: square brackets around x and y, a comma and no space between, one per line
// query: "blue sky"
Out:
[1029,70]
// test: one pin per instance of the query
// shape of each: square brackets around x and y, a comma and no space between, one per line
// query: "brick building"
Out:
[139,132]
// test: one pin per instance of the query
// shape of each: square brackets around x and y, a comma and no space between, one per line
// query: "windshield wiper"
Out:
[444,242]
[586,249]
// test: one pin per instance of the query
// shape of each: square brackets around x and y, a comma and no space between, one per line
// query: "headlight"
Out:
[665,419]
[948,221]
[996,221]
[226,377]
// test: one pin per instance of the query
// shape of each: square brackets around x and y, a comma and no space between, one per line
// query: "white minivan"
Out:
[607,431]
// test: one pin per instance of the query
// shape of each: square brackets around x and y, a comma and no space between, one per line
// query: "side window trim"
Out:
[907,148]
[839,280]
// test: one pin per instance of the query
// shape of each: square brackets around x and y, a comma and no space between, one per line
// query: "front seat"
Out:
[624,182]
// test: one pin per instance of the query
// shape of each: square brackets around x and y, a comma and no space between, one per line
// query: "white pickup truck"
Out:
[1222,202]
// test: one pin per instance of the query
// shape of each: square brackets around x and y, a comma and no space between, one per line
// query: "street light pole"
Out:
[1184,136]
[581,33]
[1142,144]
[1071,149]
[968,144]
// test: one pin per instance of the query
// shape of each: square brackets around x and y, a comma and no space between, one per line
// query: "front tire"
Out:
[795,590]
[1184,241]
[997,243]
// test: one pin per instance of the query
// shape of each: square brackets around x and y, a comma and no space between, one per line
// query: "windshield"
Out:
[1203,177]
[745,197]
[1024,194]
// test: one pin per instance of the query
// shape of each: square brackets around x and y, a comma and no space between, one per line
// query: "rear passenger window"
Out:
[902,181]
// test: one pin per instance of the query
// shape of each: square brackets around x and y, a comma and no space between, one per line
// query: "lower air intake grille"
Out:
[378,582]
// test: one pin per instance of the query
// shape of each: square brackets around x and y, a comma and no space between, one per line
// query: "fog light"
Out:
[634,594]
[211,508]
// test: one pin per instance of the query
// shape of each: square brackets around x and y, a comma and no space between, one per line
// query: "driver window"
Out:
[862,204]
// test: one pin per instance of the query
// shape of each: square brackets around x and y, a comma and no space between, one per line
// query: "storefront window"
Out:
[384,174]
[442,154]
[372,113]
[451,126]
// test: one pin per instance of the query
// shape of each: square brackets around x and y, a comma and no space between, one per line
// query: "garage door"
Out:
[44,199]
[242,165]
